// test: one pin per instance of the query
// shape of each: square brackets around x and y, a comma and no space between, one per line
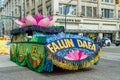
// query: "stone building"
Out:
[84,17]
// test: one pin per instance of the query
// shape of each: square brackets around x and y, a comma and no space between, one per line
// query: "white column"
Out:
[116,35]
[79,10]
[100,35]
[99,13]
[55,6]
[55,9]
[116,11]
[44,8]
[30,2]
[36,4]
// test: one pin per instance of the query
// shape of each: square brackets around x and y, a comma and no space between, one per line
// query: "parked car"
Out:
[117,42]
[106,41]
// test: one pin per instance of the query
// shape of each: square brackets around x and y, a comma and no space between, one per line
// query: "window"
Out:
[107,13]
[15,10]
[33,13]
[67,9]
[111,1]
[93,0]
[89,11]
[49,8]
[40,11]
[27,5]
[108,1]
[118,13]
[33,3]
[94,12]
[83,11]
[40,2]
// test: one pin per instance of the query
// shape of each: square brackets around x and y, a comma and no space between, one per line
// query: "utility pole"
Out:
[65,15]
[66,5]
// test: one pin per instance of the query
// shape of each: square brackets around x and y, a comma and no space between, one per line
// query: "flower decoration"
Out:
[76,55]
[37,19]
[30,19]
[20,23]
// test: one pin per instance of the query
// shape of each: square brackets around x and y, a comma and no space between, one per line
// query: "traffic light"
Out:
[116,1]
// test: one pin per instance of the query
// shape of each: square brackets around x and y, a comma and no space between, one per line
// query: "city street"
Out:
[107,69]
[39,34]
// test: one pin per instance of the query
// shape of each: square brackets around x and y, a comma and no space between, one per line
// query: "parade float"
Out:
[40,45]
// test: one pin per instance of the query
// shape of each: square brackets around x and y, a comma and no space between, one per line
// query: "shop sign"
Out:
[68,20]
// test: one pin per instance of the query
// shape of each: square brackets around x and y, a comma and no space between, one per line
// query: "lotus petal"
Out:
[66,57]
[83,56]
[23,20]
[80,54]
[38,17]
[44,22]
[75,55]
[49,17]
[19,22]
[31,20]
[50,23]
[71,55]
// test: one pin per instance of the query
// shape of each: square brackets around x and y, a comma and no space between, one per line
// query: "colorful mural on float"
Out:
[71,47]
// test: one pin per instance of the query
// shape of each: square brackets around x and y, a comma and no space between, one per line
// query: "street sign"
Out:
[5,18]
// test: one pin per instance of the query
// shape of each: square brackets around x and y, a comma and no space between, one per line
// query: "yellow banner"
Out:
[4,46]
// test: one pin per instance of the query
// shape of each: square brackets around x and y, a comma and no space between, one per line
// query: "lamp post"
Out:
[66,12]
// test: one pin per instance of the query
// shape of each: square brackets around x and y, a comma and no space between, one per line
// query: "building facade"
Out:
[1,23]
[1,3]
[91,18]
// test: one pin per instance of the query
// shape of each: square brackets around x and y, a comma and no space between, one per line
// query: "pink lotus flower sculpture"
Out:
[76,55]
[37,19]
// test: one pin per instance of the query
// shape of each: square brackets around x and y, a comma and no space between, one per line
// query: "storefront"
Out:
[92,28]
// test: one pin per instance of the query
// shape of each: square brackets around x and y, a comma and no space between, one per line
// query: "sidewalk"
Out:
[5,61]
